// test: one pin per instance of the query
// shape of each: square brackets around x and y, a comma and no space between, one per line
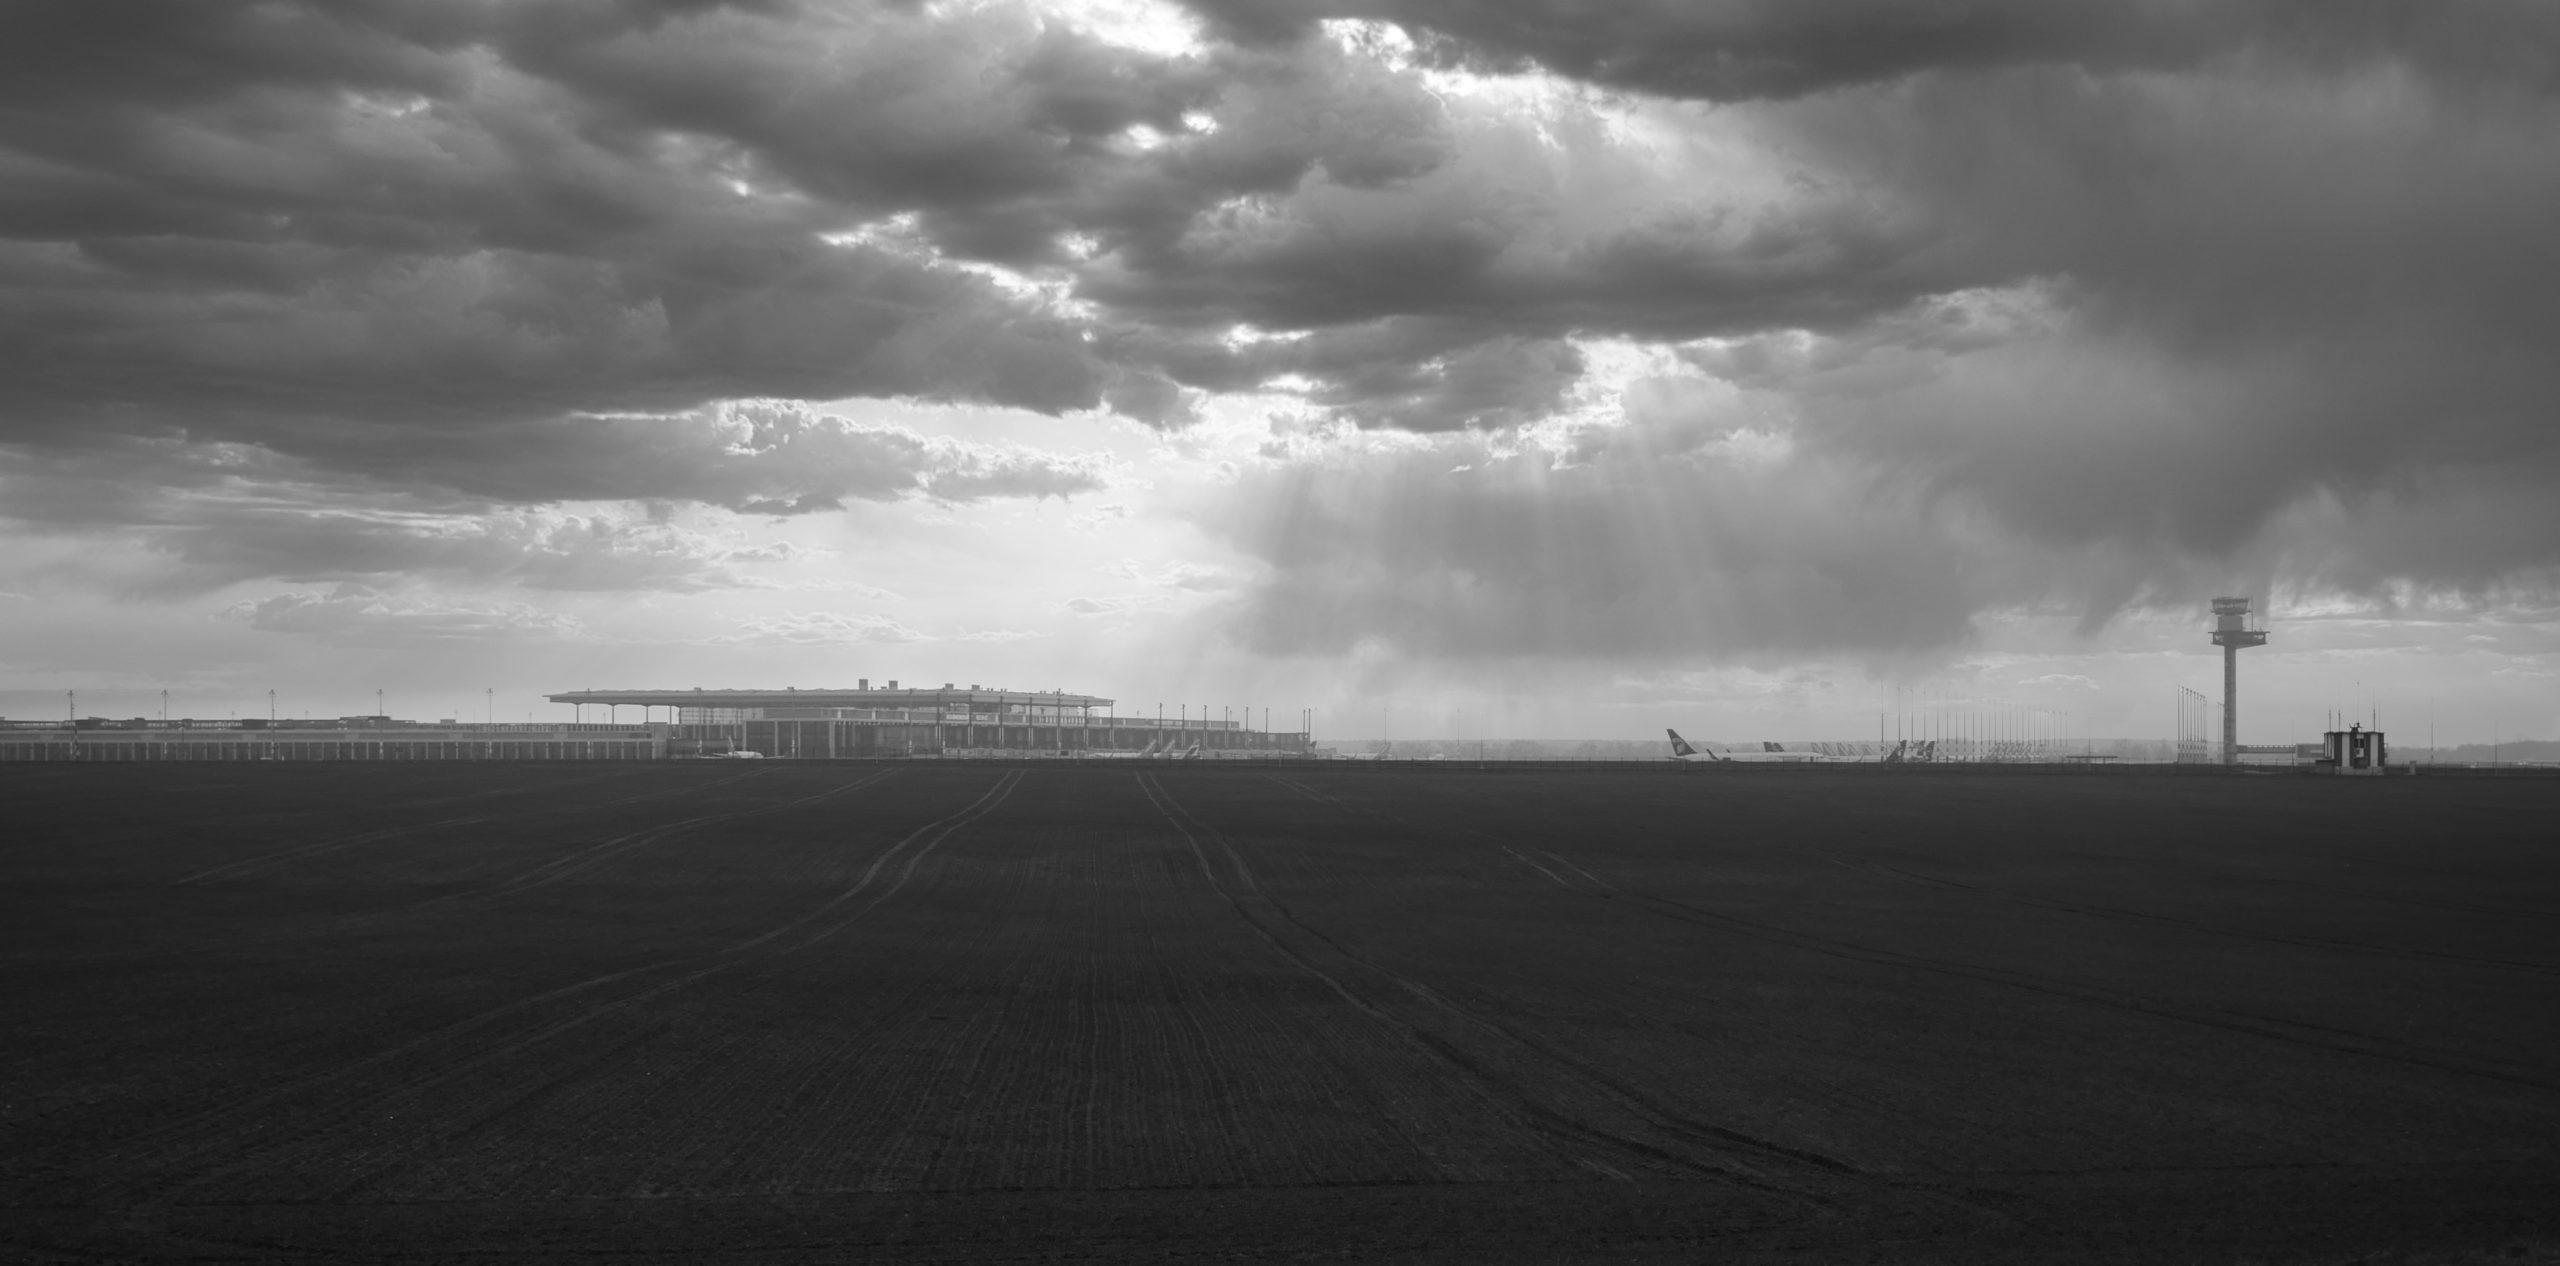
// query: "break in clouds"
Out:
[1630,328]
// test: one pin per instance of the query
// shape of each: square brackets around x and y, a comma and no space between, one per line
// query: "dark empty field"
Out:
[1148,1012]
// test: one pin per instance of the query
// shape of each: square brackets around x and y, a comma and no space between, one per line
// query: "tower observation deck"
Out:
[2232,633]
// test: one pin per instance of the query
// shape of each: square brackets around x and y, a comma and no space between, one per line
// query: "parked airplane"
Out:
[1772,753]
[1143,753]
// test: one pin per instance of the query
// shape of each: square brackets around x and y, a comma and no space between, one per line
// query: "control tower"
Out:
[2232,633]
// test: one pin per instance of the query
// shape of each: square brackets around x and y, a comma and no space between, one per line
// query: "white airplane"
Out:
[1142,753]
[1771,754]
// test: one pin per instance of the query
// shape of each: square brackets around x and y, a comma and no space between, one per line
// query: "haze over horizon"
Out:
[1527,368]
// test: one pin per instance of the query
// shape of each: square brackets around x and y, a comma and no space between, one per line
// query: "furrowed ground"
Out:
[971,1011]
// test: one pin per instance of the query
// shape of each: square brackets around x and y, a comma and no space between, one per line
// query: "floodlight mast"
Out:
[2232,633]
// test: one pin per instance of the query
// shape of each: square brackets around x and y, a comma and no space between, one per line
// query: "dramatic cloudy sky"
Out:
[1556,367]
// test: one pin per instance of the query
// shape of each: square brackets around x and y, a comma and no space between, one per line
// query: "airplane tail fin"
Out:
[1767,746]
[1679,745]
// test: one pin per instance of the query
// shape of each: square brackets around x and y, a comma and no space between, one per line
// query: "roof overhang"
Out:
[796,698]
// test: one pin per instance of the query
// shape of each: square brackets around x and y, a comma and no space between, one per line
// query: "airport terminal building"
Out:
[950,720]
[791,724]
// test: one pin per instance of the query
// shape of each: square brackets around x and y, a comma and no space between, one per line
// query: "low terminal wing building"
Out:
[369,738]
[865,722]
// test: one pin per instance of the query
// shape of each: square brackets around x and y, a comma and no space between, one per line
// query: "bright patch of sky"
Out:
[1151,26]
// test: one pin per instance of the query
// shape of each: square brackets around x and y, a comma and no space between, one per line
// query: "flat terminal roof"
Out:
[795,698]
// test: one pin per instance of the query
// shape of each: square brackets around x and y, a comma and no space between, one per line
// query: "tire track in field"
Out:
[846,907]
[1720,1133]
[575,862]
[175,1142]
[2434,903]
[2276,938]
[1674,1135]
[1308,792]
[2295,1032]
[408,805]
[548,872]
[1583,882]
[269,861]
[625,843]
[593,855]
[473,1023]
[620,772]
[939,830]
[1303,790]
[688,788]
[153,1156]
[2335,890]
[1505,1098]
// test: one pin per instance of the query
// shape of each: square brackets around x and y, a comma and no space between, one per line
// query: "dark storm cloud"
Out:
[2015,280]
[2262,297]
[160,543]
[206,515]
[352,232]
[174,333]
[1732,50]
[341,228]
[754,456]
[2256,291]
[361,231]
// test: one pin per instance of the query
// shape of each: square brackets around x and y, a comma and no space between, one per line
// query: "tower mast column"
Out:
[2230,704]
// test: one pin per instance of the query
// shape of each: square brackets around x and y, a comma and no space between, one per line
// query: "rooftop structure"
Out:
[791,701]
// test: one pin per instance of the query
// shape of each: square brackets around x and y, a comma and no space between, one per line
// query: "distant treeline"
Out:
[1660,749]
[2539,751]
